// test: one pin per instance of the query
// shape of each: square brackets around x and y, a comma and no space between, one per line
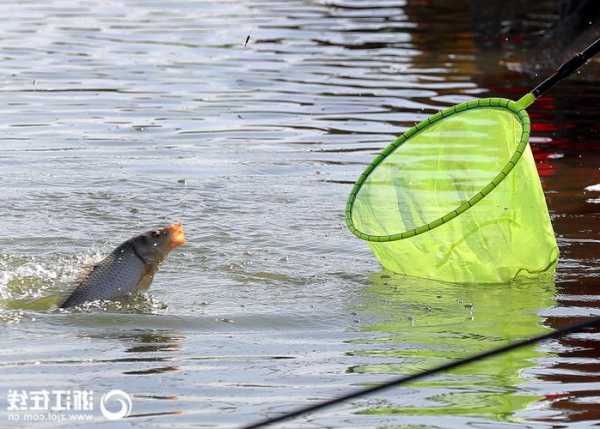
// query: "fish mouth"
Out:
[176,235]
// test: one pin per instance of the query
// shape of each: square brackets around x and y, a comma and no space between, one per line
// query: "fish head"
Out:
[154,246]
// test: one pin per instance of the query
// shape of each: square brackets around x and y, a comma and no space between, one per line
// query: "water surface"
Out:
[119,116]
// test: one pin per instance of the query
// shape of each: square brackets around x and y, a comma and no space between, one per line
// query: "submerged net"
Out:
[457,198]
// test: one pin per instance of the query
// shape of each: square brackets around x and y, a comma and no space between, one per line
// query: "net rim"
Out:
[517,108]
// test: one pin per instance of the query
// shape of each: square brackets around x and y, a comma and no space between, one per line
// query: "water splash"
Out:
[29,284]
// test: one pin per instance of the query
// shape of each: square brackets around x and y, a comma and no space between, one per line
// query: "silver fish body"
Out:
[118,275]
[127,269]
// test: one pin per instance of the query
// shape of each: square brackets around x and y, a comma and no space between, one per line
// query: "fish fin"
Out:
[145,281]
[147,278]
[85,271]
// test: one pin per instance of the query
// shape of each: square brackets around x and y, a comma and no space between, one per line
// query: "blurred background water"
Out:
[120,116]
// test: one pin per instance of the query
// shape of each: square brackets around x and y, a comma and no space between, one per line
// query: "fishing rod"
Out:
[561,73]
[395,382]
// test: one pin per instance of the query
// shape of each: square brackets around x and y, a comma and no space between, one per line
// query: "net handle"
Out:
[567,68]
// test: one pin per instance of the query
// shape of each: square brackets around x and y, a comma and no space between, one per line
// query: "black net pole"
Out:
[567,68]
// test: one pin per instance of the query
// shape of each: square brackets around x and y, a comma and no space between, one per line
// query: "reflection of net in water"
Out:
[444,322]
[458,198]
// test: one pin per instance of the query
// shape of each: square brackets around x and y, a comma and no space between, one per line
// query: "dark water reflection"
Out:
[121,115]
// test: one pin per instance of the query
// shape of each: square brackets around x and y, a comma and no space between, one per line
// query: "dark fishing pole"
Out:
[406,379]
[567,68]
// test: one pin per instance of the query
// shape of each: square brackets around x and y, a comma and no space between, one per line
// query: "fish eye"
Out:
[155,234]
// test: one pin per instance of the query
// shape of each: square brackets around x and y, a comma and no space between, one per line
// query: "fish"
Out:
[128,269]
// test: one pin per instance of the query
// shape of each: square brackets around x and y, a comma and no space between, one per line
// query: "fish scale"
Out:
[116,275]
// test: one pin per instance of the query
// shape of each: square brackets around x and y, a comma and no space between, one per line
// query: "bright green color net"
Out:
[457,198]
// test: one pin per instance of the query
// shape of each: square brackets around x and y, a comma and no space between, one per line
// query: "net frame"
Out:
[517,108]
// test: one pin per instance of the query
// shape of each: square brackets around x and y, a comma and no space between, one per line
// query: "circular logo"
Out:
[123,398]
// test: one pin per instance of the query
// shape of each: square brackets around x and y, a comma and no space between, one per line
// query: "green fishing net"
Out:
[457,198]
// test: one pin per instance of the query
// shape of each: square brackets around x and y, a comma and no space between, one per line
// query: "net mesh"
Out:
[458,198]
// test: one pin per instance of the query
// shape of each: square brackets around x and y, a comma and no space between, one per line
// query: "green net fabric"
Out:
[458,199]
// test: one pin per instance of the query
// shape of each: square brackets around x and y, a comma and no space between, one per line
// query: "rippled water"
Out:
[119,116]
